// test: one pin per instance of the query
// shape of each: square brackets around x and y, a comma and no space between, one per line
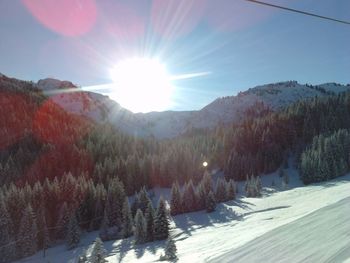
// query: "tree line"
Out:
[55,164]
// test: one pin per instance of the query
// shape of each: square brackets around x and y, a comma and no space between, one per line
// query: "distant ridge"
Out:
[168,124]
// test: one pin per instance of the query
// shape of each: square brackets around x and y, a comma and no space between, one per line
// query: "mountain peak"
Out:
[53,84]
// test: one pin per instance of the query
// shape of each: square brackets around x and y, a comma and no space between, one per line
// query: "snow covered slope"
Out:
[172,123]
[229,109]
[302,224]
[89,104]
[321,236]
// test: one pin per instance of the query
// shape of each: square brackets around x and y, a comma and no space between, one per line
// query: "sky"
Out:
[237,44]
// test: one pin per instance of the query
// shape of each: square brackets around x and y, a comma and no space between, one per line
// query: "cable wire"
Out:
[299,11]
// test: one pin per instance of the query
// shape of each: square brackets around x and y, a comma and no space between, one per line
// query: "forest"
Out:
[62,174]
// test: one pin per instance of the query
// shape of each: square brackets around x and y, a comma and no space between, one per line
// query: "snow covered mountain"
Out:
[172,123]
[74,100]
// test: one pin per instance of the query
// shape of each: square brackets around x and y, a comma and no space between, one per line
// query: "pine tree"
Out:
[28,233]
[43,232]
[127,229]
[200,197]
[114,203]
[210,203]
[175,202]
[98,253]
[103,233]
[161,222]
[170,251]
[253,186]
[231,190]
[73,232]
[135,205]
[140,228]
[143,199]
[220,191]
[149,217]
[247,186]
[45,238]
[189,197]
[250,188]
[98,212]
[207,183]
[7,246]
[258,186]
[62,222]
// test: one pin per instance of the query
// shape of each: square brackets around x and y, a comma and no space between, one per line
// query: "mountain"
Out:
[169,124]
[75,100]
[56,164]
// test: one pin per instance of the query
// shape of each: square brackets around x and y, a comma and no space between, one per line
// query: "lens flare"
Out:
[142,85]
[65,17]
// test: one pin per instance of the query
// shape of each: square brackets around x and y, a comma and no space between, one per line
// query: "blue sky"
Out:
[241,44]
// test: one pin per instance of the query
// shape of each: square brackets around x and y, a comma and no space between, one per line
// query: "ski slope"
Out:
[322,236]
[301,224]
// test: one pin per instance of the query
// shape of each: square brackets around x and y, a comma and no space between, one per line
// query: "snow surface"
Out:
[326,229]
[299,224]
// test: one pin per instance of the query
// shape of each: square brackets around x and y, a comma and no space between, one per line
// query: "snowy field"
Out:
[299,224]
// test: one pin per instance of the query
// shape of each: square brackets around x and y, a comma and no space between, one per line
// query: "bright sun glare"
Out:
[142,85]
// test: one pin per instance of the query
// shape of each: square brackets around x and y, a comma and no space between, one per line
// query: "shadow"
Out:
[269,191]
[139,250]
[124,247]
[242,204]
[265,210]
[127,245]
[189,222]
[152,247]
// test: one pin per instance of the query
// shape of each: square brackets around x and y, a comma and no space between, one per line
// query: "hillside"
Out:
[283,226]
[169,124]
[62,173]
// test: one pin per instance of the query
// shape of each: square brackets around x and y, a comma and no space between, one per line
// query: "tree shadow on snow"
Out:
[124,247]
[265,210]
[128,245]
[242,204]
[189,222]
[150,246]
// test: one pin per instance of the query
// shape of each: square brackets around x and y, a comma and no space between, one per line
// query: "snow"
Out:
[291,225]
[223,110]
[170,124]
[325,229]
[77,101]
[50,84]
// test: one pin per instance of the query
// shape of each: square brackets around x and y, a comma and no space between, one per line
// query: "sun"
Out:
[142,85]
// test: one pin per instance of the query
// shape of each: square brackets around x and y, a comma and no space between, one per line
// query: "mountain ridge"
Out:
[224,110]
[168,124]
